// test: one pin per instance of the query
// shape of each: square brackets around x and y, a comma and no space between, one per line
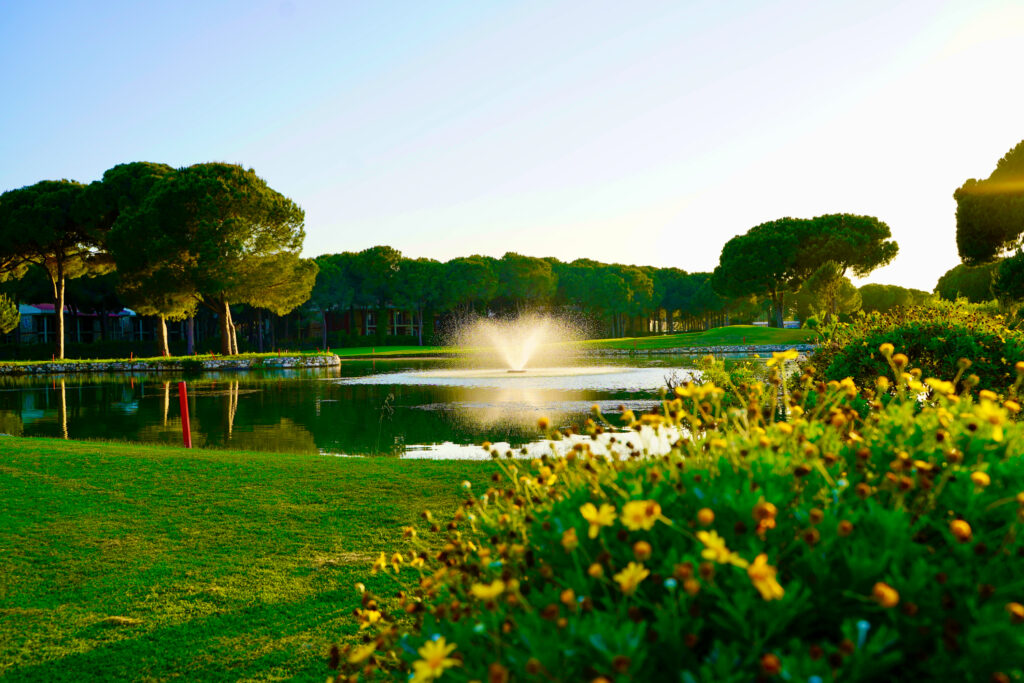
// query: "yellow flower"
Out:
[642,514]
[980,479]
[705,516]
[1016,611]
[570,540]
[715,550]
[380,565]
[782,357]
[939,386]
[396,561]
[434,660]
[961,530]
[483,591]
[367,617]
[885,595]
[595,571]
[605,516]
[642,550]
[362,652]
[630,577]
[988,411]
[886,349]
[762,575]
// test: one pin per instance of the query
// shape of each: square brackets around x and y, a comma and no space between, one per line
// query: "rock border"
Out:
[182,365]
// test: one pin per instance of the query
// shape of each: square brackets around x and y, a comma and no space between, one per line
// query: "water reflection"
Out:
[359,409]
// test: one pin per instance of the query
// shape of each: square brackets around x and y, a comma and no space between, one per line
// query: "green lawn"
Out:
[231,565]
[365,351]
[719,336]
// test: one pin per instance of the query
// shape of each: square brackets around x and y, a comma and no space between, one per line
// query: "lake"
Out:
[409,408]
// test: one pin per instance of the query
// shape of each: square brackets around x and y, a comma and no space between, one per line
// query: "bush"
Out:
[835,546]
[936,337]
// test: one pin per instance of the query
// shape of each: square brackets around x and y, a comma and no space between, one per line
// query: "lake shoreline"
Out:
[170,365]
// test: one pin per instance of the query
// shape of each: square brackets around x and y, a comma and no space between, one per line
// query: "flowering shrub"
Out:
[936,336]
[843,544]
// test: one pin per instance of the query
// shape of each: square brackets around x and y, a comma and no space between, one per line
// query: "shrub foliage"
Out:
[869,537]
[936,337]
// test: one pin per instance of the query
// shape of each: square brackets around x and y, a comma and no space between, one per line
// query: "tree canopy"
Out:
[50,225]
[9,315]
[990,212]
[973,283]
[776,257]
[877,297]
[762,262]
[828,292]
[1008,278]
[219,233]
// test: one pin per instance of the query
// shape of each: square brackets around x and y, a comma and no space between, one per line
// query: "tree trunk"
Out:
[323,325]
[190,328]
[777,312]
[420,311]
[259,329]
[58,292]
[161,329]
[234,339]
[226,329]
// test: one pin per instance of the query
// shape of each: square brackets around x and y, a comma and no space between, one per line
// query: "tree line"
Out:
[623,299]
[210,234]
[216,235]
[990,235]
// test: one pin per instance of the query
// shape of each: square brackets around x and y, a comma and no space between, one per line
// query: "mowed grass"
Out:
[129,562]
[719,336]
[363,351]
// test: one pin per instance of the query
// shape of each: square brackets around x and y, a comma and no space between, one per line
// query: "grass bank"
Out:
[719,336]
[127,562]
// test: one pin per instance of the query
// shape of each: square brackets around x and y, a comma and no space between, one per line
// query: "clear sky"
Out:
[635,132]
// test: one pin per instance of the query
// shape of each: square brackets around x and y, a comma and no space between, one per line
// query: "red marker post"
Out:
[186,430]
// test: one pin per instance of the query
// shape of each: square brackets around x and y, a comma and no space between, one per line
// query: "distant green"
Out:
[718,336]
[233,565]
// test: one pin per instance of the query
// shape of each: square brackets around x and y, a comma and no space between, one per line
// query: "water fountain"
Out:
[536,351]
[520,344]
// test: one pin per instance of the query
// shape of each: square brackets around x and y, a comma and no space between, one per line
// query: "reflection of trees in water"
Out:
[62,409]
[10,423]
[279,413]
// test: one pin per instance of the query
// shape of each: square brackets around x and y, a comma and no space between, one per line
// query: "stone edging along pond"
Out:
[176,365]
[699,350]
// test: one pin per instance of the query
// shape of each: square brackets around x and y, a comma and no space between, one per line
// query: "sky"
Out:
[644,132]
